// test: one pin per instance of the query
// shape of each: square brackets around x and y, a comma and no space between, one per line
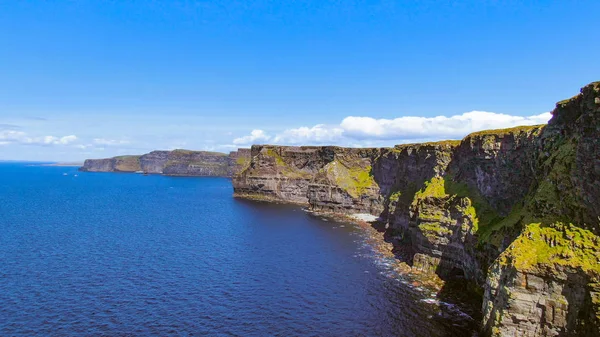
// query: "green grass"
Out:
[551,201]
[554,198]
[434,188]
[474,207]
[127,163]
[434,229]
[284,168]
[537,246]
[355,180]
[536,129]
[242,161]
[441,143]
[278,160]
[189,152]
[484,215]
[557,244]
[395,196]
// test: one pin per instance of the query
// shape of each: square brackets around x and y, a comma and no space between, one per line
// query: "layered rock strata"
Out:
[174,163]
[515,211]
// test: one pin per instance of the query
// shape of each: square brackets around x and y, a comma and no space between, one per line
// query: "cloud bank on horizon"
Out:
[74,141]
[362,131]
[20,137]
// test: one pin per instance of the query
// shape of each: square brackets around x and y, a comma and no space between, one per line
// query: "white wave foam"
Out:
[364,217]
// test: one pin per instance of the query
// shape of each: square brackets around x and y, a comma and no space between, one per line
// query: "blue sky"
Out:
[88,79]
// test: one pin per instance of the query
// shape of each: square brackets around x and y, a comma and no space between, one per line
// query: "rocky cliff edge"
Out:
[174,163]
[514,211]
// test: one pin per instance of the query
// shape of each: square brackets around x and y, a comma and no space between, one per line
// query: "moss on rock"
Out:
[433,188]
[285,168]
[127,163]
[560,244]
[473,205]
[508,131]
[395,196]
[356,180]
[434,229]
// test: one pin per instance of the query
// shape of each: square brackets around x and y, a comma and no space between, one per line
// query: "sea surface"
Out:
[105,254]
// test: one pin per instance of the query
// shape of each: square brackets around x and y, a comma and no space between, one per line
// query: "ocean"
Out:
[106,254]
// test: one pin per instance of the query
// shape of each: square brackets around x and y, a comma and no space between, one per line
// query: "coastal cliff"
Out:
[513,211]
[174,163]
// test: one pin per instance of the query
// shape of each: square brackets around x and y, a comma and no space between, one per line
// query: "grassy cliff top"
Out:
[553,245]
[592,86]
[183,151]
[313,148]
[440,143]
[508,131]
[128,157]
[176,152]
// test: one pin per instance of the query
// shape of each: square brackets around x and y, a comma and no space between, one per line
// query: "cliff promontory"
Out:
[513,211]
[174,163]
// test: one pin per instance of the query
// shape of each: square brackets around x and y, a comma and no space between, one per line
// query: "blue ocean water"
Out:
[101,254]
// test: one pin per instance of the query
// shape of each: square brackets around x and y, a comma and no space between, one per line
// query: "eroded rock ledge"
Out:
[514,211]
[174,163]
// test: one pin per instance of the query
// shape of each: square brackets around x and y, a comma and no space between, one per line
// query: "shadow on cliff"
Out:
[400,241]
[582,318]
[462,293]
[460,299]
[459,296]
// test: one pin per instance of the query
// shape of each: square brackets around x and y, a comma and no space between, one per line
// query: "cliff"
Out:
[327,177]
[174,163]
[513,211]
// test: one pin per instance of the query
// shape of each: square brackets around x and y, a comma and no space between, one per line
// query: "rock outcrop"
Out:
[514,211]
[547,282]
[115,164]
[328,177]
[174,163]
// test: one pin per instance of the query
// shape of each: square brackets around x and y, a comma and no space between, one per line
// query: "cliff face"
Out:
[174,163]
[330,177]
[547,282]
[238,160]
[515,211]
[115,164]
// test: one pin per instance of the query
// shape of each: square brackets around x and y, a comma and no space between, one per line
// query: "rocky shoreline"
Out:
[512,212]
[452,299]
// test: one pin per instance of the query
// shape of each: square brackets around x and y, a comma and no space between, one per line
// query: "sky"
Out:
[94,79]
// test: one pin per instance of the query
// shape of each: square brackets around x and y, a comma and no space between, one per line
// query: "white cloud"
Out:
[11,136]
[109,142]
[318,134]
[456,126]
[65,139]
[20,137]
[368,131]
[255,136]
